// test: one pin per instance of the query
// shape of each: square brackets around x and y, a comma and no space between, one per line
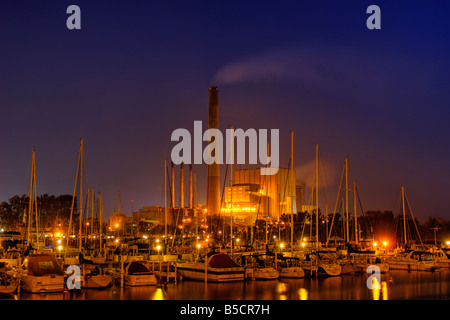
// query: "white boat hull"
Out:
[196,271]
[98,281]
[292,272]
[265,274]
[42,284]
[140,280]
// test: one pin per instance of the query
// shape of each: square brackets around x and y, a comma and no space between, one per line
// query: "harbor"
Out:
[246,153]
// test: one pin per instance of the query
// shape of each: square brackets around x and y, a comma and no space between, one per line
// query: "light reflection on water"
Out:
[395,285]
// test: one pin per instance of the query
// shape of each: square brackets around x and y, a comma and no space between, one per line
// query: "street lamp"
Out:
[158,248]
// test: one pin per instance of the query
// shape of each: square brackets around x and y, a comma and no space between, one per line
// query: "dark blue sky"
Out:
[137,70]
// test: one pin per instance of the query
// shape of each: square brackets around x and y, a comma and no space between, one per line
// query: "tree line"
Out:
[52,210]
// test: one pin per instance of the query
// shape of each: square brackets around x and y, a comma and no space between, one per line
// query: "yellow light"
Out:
[157,240]
[385,243]
[375,244]
[448,243]
[117,240]
[303,244]
[117,225]
[158,247]
[281,245]
[59,248]
[237,240]
[199,245]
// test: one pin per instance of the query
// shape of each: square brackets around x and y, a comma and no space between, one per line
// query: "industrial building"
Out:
[255,196]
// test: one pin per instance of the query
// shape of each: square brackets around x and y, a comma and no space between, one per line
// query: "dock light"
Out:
[117,240]
[158,248]
[144,237]
[303,244]
[304,239]
[157,240]
[385,243]
[59,248]
[448,243]
[59,241]
[281,245]
[274,237]
[237,240]
[375,244]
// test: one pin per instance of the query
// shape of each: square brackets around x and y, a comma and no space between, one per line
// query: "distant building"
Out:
[119,222]
[255,196]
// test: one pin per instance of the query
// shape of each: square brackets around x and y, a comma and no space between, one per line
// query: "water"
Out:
[395,285]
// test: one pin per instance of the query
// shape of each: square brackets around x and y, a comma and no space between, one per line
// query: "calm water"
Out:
[395,285]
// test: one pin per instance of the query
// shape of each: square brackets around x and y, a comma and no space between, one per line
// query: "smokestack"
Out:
[191,198]
[195,188]
[181,186]
[213,182]
[172,187]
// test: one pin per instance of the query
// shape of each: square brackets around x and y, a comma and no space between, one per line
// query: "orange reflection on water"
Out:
[303,294]
[380,293]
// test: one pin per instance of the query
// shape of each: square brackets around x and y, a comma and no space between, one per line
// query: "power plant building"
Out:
[255,196]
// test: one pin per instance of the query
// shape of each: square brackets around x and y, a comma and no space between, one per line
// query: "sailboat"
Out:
[315,262]
[412,260]
[289,267]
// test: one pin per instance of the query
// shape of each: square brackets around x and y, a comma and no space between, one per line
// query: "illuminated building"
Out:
[258,196]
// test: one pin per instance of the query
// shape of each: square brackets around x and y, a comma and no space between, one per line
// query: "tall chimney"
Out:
[213,182]
[181,186]
[172,186]
[194,178]
[191,196]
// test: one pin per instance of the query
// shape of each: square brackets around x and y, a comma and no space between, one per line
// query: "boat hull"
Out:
[97,281]
[292,272]
[42,284]
[265,274]
[196,271]
[140,280]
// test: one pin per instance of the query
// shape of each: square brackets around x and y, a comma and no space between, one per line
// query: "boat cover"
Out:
[222,261]
[137,267]
[42,265]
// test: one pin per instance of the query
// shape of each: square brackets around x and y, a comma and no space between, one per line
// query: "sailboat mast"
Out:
[292,187]
[92,212]
[30,205]
[231,186]
[101,221]
[346,199]
[404,213]
[81,196]
[73,202]
[165,201]
[356,216]
[87,217]
[267,193]
[317,195]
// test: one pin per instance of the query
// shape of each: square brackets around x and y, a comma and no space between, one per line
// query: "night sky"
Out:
[137,70]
